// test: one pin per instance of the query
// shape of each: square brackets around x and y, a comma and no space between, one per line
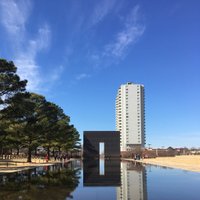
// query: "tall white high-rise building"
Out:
[130,116]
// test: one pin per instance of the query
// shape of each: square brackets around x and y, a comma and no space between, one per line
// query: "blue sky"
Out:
[78,52]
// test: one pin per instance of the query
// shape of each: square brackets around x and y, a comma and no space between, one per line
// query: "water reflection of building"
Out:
[94,174]
[133,182]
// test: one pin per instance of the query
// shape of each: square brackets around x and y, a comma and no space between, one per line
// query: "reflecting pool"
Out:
[99,180]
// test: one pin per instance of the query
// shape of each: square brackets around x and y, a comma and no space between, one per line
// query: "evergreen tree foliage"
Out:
[28,120]
[10,82]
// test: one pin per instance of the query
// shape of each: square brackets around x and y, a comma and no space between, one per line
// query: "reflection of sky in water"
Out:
[168,184]
[102,167]
[150,183]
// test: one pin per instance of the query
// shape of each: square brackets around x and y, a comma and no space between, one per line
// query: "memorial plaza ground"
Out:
[185,162]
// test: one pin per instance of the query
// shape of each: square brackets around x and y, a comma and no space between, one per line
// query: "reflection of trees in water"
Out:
[49,183]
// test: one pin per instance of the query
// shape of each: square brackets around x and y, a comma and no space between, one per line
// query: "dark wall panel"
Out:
[92,139]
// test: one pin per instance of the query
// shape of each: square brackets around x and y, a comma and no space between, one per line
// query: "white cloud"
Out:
[102,10]
[26,60]
[132,31]
[13,16]
[44,37]
[82,76]
[115,50]
[28,69]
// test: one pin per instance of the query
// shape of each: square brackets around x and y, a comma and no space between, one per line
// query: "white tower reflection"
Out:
[133,182]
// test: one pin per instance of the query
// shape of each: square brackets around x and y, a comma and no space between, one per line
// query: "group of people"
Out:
[62,157]
[136,156]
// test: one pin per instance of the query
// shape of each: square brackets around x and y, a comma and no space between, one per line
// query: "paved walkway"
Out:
[15,165]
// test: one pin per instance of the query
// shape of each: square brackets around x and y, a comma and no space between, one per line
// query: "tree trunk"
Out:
[48,152]
[35,151]
[17,150]
[53,152]
[29,154]
[2,151]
